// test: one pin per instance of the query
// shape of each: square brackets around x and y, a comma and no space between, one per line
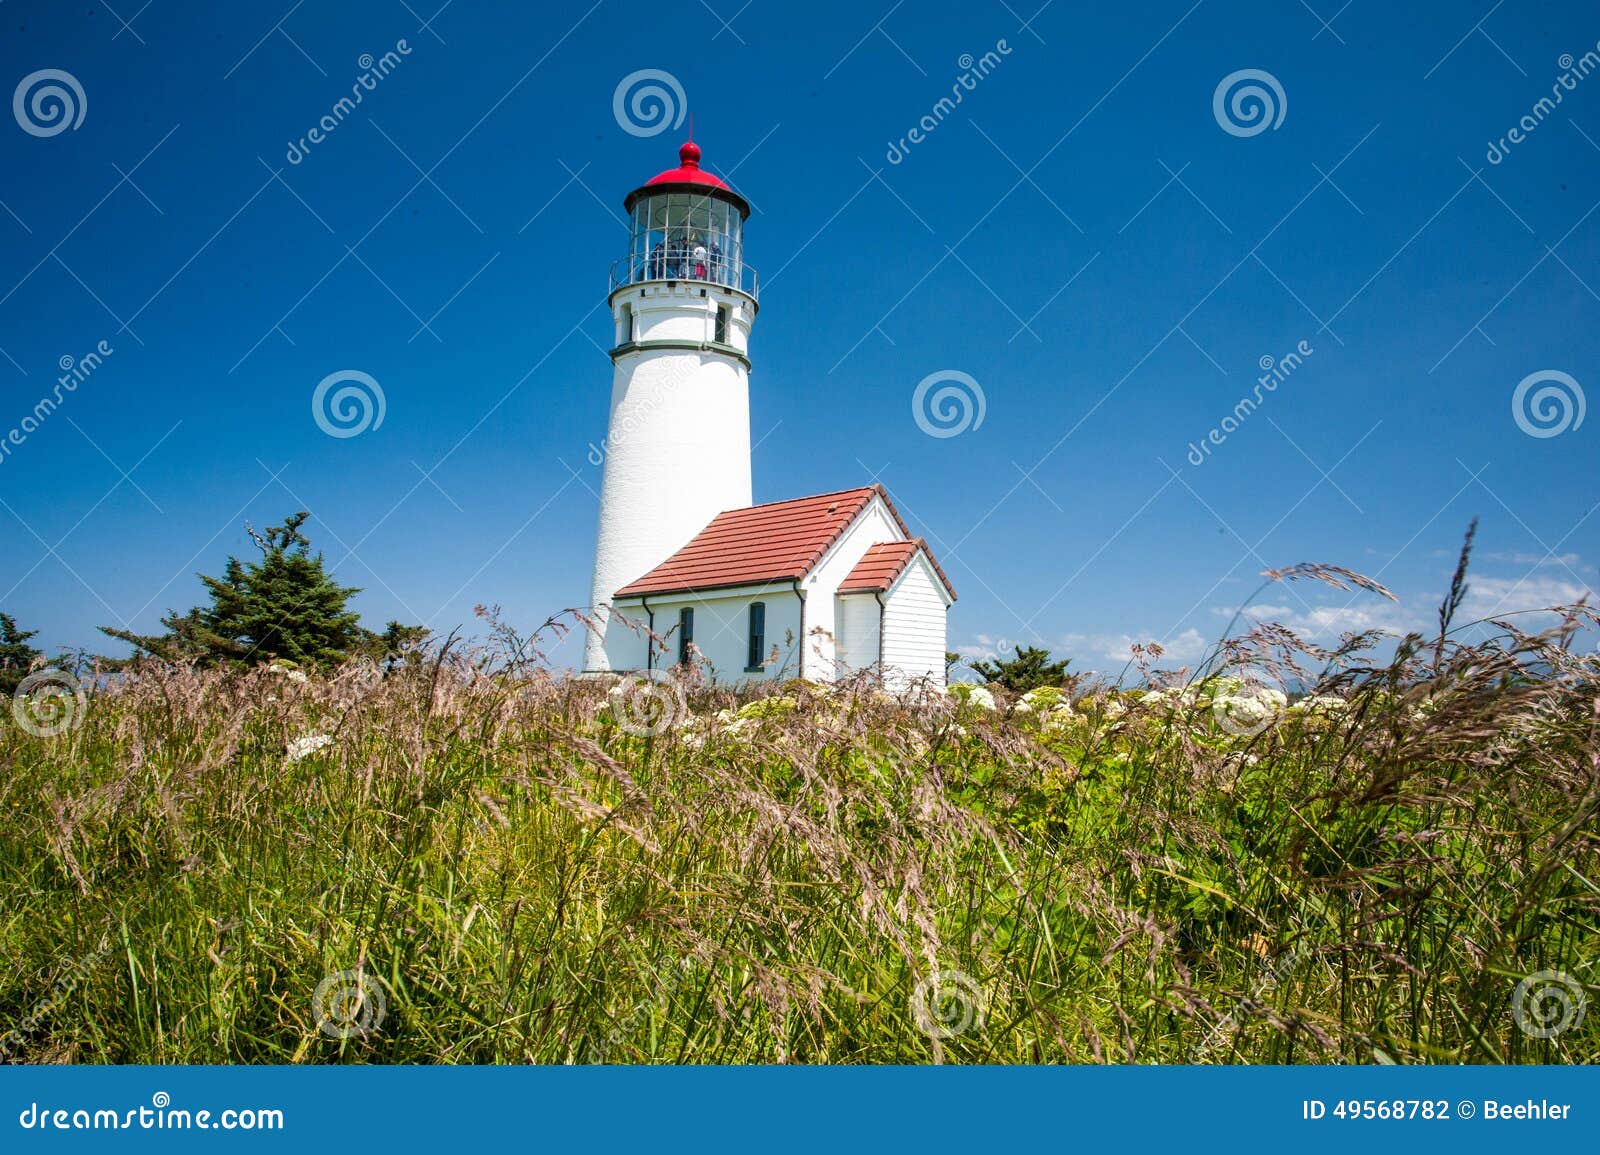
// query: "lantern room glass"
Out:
[681,236]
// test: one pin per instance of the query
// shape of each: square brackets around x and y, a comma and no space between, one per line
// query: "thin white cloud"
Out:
[1179,649]
[1496,597]
[1570,561]
[1548,583]
[1326,623]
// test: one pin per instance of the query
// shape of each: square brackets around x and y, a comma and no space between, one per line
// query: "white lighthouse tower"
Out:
[677,449]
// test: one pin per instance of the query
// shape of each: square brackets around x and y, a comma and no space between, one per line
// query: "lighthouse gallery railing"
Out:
[638,270]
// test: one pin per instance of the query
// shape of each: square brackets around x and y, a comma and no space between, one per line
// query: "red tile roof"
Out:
[782,541]
[883,563]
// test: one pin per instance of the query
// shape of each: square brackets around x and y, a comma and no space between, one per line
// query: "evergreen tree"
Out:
[16,656]
[1029,669]
[283,606]
[397,644]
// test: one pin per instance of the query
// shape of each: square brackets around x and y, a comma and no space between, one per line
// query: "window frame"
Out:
[757,637]
[685,634]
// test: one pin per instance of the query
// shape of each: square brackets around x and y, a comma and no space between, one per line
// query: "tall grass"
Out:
[769,878]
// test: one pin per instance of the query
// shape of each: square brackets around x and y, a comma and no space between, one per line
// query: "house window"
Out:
[721,334]
[758,635]
[685,635]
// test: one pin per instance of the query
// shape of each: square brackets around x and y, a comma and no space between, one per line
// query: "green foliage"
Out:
[527,876]
[16,656]
[539,869]
[397,645]
[1028,668]
[284,606]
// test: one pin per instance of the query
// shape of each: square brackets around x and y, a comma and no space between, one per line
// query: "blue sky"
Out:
[1106,258]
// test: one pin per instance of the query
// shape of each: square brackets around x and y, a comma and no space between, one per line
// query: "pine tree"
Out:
[284,606]
[396,645]
[1030,668]
[16,656]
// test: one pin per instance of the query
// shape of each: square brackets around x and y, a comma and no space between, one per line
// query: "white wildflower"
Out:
[1182,697]
[309,744]
[1058,721]
[1247,713]
[1044,698]
[977,695]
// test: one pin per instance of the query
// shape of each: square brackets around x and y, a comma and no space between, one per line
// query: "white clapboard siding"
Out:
[874,524]
[857,623]
[914,626]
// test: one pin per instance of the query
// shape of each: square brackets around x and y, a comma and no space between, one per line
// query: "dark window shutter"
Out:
[758,633]
[685,634]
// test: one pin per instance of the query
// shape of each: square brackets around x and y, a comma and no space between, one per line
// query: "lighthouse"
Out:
[677,448]
[688,574]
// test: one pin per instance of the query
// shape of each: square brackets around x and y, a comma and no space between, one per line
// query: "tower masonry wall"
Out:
[677,450]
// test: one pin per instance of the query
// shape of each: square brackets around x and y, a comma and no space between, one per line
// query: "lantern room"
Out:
[686,224]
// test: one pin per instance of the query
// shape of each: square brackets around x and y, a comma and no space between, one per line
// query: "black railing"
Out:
[706,266]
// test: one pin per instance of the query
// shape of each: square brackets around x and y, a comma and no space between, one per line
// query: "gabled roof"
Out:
[781,541]
[883,563]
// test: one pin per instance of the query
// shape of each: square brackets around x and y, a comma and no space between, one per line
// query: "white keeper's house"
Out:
[686,568]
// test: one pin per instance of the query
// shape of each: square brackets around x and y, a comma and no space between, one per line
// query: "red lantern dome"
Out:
[689,177]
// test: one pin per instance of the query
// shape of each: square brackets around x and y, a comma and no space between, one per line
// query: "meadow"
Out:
[467,858]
